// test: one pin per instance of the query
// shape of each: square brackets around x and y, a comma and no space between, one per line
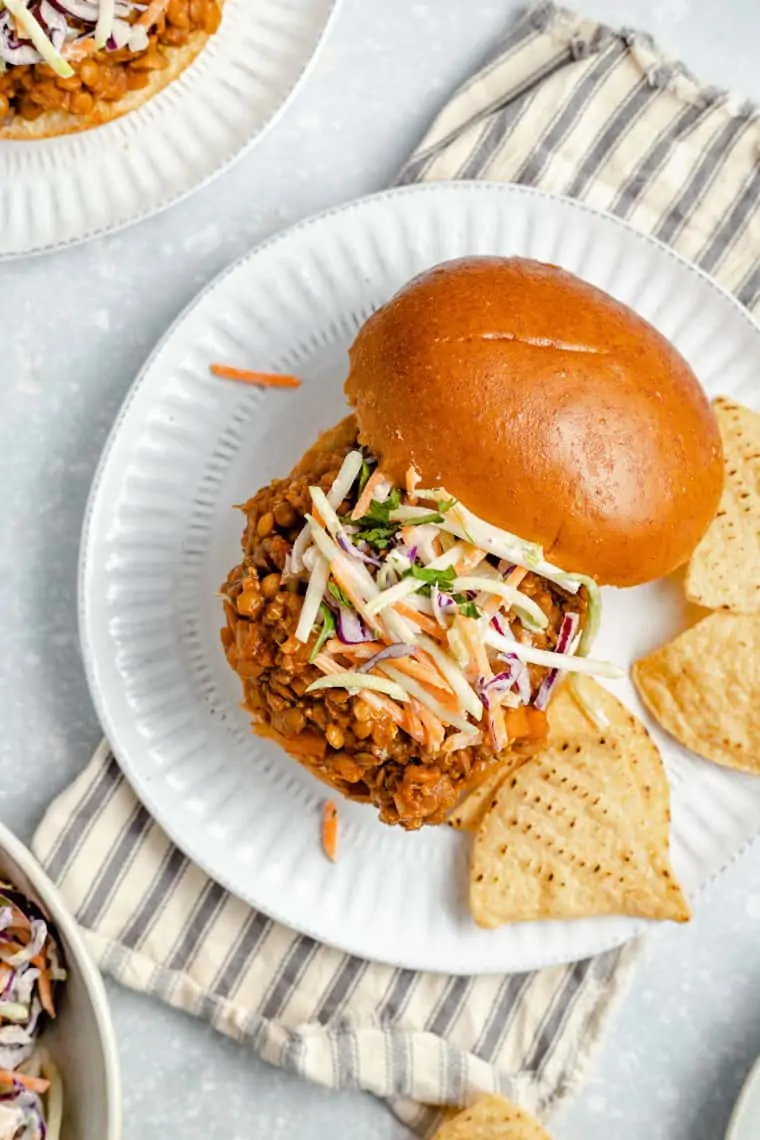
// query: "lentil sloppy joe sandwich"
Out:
[67,65]
[412,594]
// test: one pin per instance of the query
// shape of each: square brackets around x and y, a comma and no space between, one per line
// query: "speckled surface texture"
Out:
[77,326]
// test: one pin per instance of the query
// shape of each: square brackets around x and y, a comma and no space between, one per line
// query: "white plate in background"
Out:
[160,536]
[54,192]
[745,1119]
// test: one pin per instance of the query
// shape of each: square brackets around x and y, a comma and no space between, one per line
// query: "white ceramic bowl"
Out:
[81,1041]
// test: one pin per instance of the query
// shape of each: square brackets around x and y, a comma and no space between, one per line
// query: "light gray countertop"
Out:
[77,326]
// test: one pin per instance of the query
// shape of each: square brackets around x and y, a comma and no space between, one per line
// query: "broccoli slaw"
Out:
[31,967]
[415,604]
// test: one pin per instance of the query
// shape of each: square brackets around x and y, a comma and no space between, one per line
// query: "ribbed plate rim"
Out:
[258,130]
[508,190]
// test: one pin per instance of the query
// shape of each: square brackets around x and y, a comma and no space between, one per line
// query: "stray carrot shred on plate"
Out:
[260,379]
[330,830]
[34,1084]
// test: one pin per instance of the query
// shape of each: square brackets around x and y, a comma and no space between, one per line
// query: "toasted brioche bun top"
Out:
[548,408]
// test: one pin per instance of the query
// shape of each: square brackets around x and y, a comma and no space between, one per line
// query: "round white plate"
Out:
[63,190]
[745,1119]
[160,536]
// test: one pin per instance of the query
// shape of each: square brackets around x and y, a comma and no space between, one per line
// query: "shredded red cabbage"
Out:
[442,604]
[519,676]
[350,628]
[65,22]
[350,548]
[505,682]
[23,1115]
[501,626]
[567,631]
[390,651]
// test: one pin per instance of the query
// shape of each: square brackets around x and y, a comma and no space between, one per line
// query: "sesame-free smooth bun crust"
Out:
[549,408]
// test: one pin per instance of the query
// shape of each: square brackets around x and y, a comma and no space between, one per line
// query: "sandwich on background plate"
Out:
[412,593]
[67,65]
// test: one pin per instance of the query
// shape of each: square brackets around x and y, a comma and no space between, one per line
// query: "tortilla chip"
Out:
[582,707]
[606,714]
[724,572]
[579,830]
[492,1118]
[468,814]
[704,689]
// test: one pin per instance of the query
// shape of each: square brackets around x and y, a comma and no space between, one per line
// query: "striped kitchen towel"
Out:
[573,107]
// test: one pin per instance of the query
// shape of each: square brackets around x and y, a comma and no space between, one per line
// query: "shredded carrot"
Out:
[433,729]
[364,500]
[361,652]
[349,589]
[43,985]
[425,623]
[515,577]
[34,1084]
[153,13]
[479,657]
[246,376]
[380,703]
[421,668]
[413,723]
[377,701]
[436,676]
[492,605]
[431,682]
[477,650]
[471,557]
[347,586]
[330,830]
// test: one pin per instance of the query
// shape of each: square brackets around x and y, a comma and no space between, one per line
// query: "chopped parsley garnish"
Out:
[340,596]
[431,518]
[375,528]
[380,511]
[378,537]
[327,630]
[443,579]
[467,607]
[440,578]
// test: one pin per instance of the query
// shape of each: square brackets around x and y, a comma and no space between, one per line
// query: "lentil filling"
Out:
[30,90]
[342,738]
